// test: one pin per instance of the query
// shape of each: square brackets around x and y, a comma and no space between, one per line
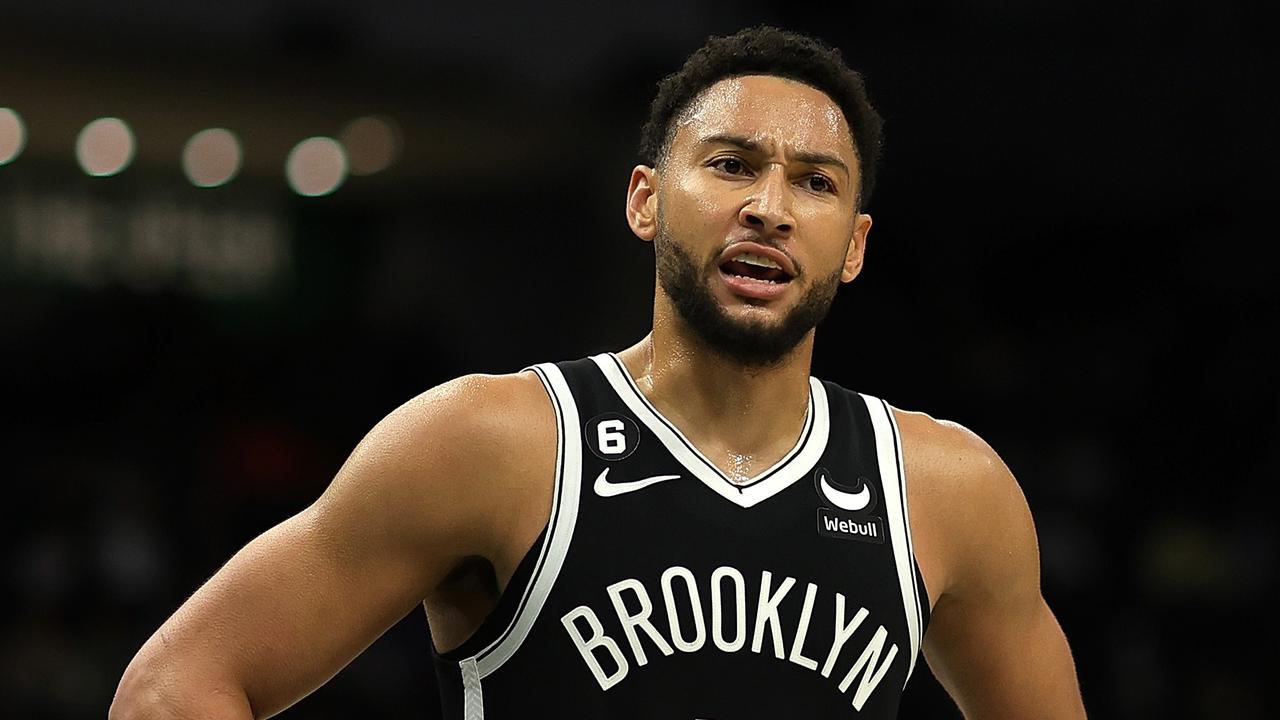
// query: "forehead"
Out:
[769,110]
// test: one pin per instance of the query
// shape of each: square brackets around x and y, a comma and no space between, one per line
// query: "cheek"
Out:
[831,241]
[692,204]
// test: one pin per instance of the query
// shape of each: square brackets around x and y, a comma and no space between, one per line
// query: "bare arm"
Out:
[299,602]
[992,642]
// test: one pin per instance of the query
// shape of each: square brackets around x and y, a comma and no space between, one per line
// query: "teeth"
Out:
[757,260]
[748,277]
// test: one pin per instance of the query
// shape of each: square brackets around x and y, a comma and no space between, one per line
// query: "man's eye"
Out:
[733,166]
[817,183]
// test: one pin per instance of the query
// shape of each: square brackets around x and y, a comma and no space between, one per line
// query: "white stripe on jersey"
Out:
[893,481]
[564,516]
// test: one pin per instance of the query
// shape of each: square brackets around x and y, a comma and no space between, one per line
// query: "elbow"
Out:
[167,680]
[141,694]
[148,692]
[137,698]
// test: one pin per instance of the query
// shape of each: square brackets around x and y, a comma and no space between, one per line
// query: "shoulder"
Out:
[454,457]
[972,517]
[468,419]
[948,456]
[472,414]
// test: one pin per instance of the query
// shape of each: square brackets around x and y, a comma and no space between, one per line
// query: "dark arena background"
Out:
[235,235]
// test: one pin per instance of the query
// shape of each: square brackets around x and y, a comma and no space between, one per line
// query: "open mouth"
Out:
[750,266]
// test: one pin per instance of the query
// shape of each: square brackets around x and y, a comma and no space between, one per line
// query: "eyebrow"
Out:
[804,156]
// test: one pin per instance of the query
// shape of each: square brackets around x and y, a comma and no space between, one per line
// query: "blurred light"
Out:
[211,157]
[372,144]
[13,135]
[105,147]
[316,166]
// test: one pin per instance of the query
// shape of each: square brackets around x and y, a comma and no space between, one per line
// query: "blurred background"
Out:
[235,235]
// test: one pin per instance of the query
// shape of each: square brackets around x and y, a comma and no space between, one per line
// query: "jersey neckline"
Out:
[769,482]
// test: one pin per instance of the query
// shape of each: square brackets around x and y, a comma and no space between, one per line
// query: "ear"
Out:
[857,248]
[642,203]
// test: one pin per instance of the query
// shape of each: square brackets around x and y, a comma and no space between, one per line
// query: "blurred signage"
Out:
[143,244]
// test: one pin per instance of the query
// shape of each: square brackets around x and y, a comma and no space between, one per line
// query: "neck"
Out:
[742,417]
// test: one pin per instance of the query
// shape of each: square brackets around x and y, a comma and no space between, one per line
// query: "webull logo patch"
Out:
[847,526]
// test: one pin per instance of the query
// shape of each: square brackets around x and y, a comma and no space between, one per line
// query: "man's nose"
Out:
[768,209]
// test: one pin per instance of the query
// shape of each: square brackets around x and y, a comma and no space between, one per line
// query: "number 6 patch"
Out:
[611,436]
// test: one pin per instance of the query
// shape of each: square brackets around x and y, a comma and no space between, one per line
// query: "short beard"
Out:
[750,343]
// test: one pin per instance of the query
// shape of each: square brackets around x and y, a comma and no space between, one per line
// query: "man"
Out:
[691,528]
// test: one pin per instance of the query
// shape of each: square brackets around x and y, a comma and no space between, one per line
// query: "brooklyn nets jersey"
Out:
[661,589]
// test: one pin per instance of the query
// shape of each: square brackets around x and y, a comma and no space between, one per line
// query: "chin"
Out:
[753,314]
[752,331]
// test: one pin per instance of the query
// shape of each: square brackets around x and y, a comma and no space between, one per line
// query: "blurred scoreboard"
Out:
[143,241]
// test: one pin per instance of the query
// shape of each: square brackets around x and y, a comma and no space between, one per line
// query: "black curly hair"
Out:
[767,50]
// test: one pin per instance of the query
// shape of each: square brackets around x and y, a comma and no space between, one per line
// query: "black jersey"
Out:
[661,589]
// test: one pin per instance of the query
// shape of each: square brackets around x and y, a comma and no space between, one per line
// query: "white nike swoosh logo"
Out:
[846,500]
[604,488]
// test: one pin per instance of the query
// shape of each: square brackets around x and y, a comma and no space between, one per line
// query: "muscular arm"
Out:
[299,602]
[992,642]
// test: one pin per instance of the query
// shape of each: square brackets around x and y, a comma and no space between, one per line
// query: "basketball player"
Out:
[690,528]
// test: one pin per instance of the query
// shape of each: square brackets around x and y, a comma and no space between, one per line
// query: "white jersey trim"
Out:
[893,481]
[564,517]
[793,466]
[472,694]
